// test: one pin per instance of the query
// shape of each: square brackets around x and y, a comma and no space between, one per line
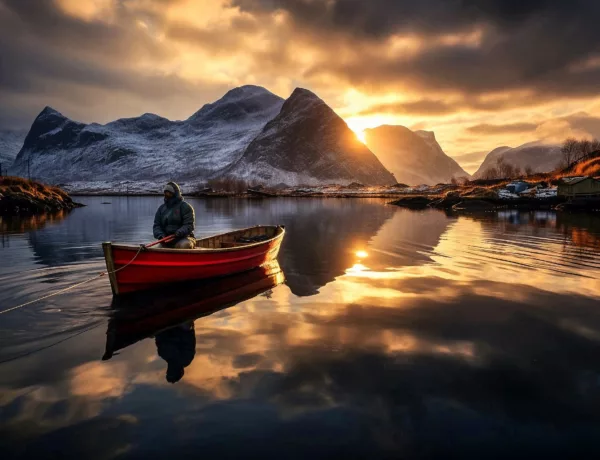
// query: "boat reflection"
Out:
[168,314]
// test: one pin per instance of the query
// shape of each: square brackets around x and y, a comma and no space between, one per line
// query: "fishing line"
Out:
[62,291]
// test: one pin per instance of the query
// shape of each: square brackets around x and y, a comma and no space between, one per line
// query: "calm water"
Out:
[395,334]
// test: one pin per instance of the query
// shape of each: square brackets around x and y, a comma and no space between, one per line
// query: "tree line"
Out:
[504,170]
[573,150]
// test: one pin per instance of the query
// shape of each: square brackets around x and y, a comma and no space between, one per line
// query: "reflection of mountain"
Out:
[321,234]
[408,237]
[79,236]
[322,237]
[148,313]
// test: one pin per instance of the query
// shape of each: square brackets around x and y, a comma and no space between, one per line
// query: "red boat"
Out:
[133,269]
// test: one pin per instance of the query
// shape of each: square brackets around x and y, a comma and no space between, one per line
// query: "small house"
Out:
[517,186]
[579,187]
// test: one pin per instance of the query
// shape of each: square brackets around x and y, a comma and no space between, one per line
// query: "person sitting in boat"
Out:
[175,217]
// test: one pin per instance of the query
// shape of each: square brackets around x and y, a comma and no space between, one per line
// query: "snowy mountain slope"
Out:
[539,156]
[148,147]
[413,157]
[308,143]
[11,142]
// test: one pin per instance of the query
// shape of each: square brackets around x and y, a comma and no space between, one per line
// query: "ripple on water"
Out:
[54,319]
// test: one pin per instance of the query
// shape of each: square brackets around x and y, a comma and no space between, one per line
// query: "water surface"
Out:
[395,334]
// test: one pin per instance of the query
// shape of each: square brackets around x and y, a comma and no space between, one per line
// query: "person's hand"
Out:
[160,237]
[180,233]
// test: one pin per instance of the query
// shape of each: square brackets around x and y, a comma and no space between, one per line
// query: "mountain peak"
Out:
[303,92]
[414,157]
[304,96]
[429,135]
[246,91]
[308,143]
[302,100]
[49,111]
[239,104]
[537,155]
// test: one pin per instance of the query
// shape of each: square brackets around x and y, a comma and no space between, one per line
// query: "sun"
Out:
[362,136]
[359,126]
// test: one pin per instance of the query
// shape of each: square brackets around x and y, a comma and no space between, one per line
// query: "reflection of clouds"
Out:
[481,332]
[97,380]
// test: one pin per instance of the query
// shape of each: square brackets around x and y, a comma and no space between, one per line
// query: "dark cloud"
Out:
[523,45]
[381,18]
[466,48]
[502,129]
[584,122]
[80,66]
[52,28]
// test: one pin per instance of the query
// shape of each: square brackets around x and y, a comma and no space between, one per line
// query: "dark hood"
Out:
[177,188]
[177,198]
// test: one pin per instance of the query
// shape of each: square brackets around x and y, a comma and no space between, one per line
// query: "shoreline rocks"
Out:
[20,196]
[455,203]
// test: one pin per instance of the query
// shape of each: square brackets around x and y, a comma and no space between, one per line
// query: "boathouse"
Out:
[579,187]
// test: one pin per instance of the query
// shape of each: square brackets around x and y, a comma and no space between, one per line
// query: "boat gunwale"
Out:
[133,247]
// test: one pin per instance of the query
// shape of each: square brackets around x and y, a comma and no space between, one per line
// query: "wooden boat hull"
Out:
[132,270]
[146,313]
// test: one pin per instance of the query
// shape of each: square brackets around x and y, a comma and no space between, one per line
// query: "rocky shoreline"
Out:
[20,196]
[456,203]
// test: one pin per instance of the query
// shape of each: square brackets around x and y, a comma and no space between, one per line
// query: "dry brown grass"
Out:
[588,168]
[10,185]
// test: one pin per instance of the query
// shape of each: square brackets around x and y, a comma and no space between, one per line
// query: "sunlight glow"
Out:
[361,136]
[362,254]
[356,268]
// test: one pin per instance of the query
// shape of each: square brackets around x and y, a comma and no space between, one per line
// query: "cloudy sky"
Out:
[480,73]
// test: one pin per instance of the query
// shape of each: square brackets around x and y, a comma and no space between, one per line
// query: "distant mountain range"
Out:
[249,133]
[11,142]
[537,155]
[413,157]
[147,147]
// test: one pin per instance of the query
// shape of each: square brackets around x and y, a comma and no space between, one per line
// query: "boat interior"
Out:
[240,238]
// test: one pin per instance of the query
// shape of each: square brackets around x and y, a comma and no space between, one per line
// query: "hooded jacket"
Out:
[174,216]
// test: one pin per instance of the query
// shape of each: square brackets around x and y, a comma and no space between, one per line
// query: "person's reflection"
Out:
[177,346]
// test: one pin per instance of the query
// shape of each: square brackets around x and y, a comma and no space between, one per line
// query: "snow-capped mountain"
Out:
[11,142]
[413,157]
[539,156]
[308,143]
[148,147]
